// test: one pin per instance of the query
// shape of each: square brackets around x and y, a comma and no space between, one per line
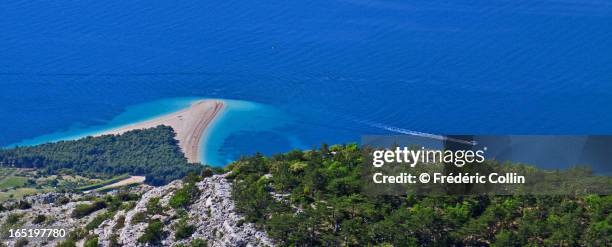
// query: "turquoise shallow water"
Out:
[132,114]
[251,122]
[238,119]
[246,127]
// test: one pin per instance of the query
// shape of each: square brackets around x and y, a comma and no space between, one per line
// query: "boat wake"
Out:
[420,134]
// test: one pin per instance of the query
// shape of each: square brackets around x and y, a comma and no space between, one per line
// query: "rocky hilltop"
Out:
[210,218]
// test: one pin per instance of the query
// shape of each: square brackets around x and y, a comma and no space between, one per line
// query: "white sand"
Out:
[189,125]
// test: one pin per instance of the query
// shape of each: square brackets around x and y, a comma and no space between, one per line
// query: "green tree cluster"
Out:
[315,198]
[153,153]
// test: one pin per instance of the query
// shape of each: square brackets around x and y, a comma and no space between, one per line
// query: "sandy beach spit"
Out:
[189,124]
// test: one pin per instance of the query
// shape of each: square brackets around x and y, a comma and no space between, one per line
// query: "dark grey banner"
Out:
[503,165]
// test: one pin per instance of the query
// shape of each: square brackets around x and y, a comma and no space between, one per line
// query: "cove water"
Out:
[245,127]
[239,129]
[307,72]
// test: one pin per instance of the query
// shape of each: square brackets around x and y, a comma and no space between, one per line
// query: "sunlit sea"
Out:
[303,73]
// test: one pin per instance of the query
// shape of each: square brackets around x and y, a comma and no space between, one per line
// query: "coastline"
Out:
[207,132]
[190,124]
[230,118]
[241,120]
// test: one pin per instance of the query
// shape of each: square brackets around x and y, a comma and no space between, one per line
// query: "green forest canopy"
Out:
[315,198]
[153,153]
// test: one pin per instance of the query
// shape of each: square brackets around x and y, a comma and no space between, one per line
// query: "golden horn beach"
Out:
[190,125]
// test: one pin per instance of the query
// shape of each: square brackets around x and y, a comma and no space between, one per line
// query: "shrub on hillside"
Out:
[198,242]
[183,229]
[139,218]
[153,234]
[184,196]
[91,242]
[39,219]
[85,209]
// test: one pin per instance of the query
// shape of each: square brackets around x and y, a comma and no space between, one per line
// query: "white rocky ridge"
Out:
[216,219]
[212,215]
[129,234]
[57,217]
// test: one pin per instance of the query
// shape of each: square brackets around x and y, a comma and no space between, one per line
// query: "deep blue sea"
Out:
[307,72]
